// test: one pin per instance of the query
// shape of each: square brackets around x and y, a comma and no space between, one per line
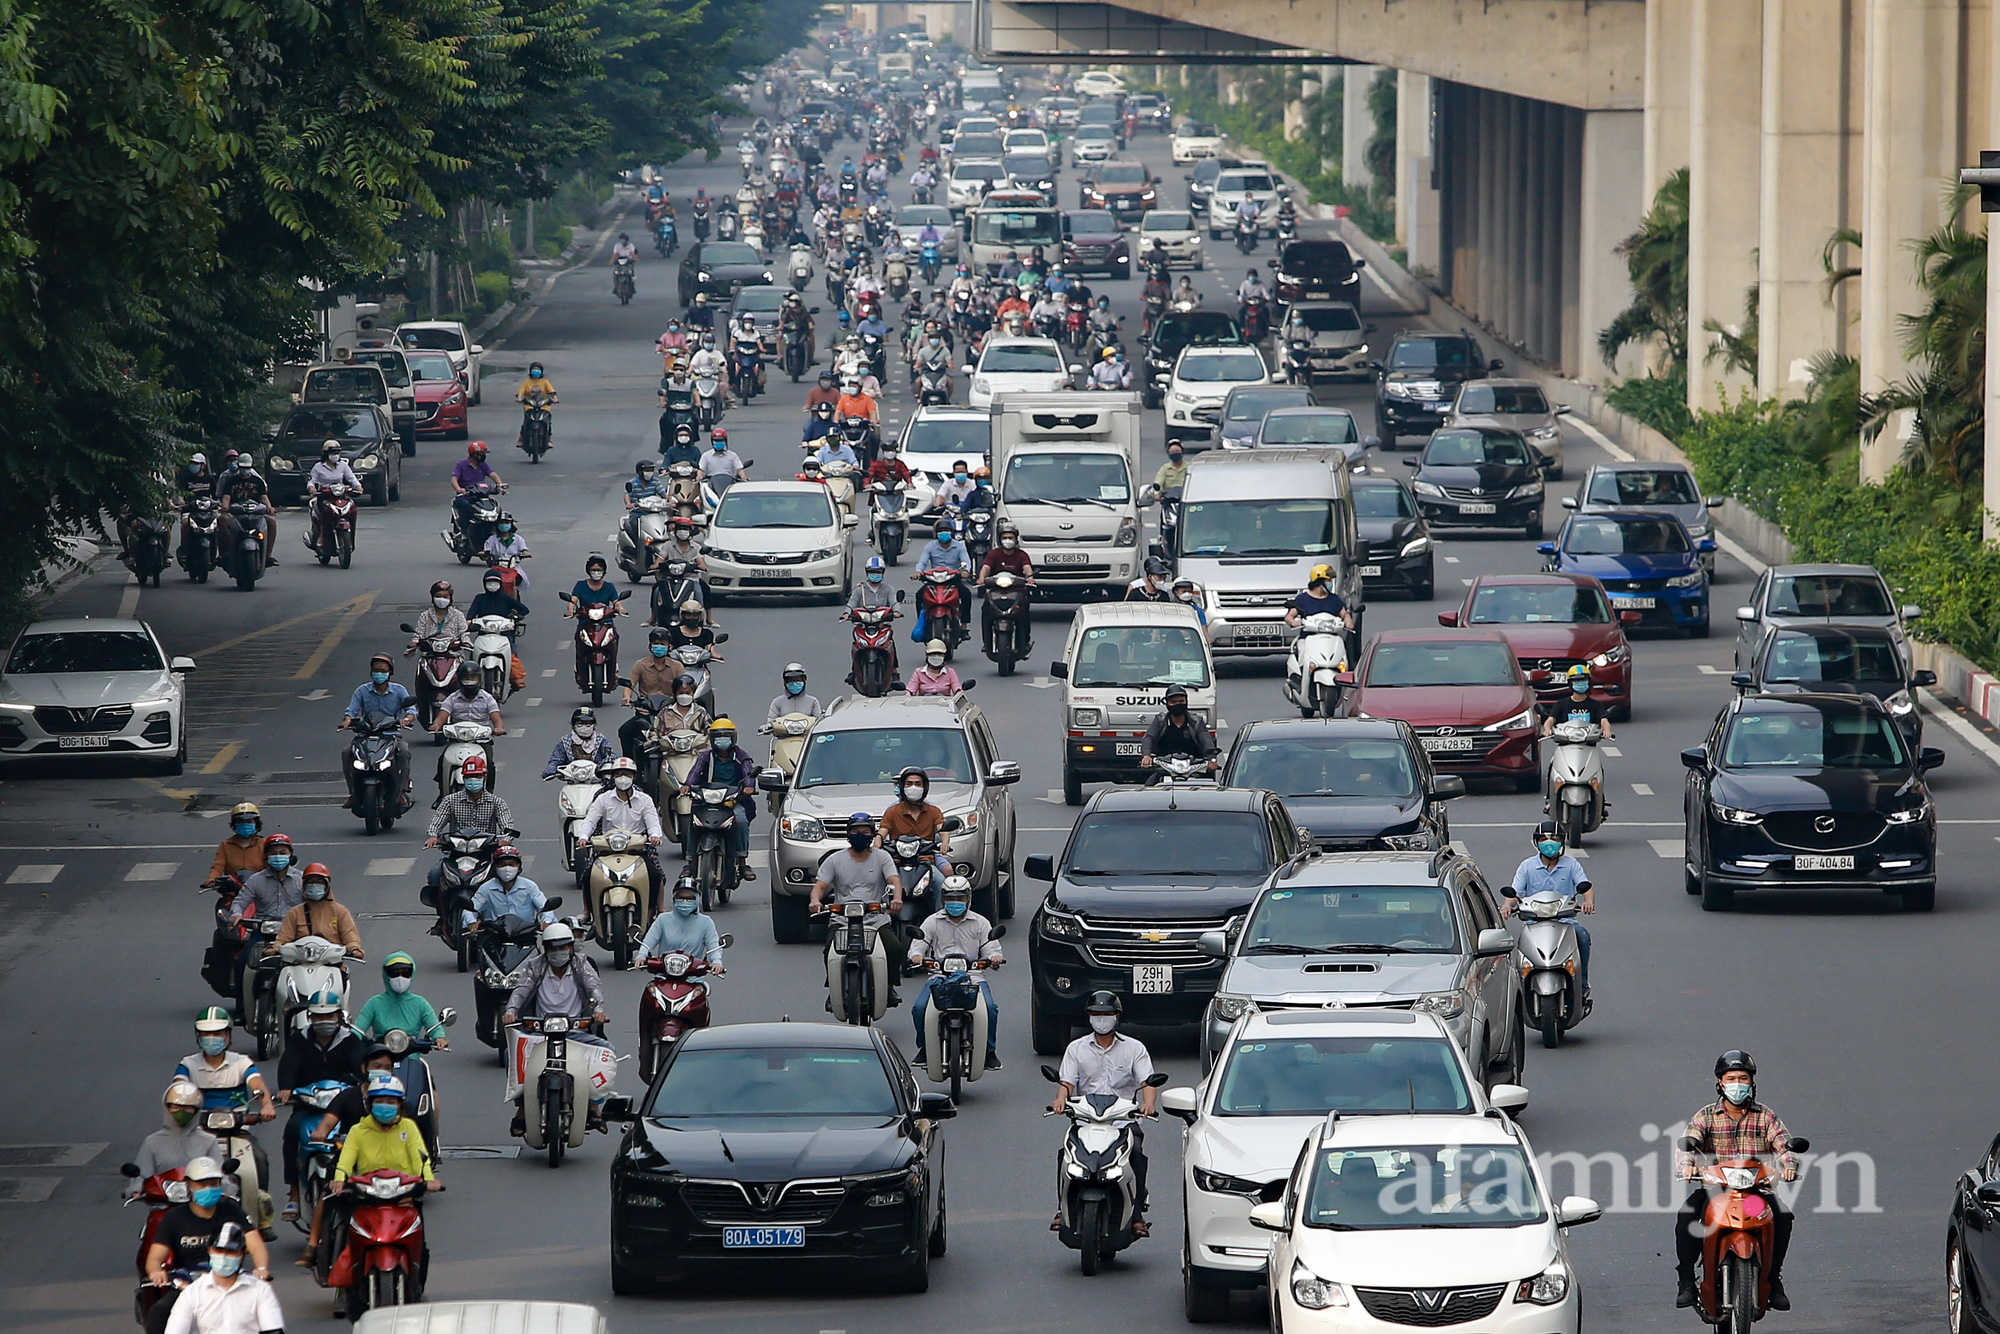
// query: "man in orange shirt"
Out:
[854,403]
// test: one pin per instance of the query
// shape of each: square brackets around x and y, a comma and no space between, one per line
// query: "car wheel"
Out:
[1050,1032]
[1072,787]
[1716,896]
[1920,900]
[1203,1303]
[1427,589]
[1957,1301]
[917,1278]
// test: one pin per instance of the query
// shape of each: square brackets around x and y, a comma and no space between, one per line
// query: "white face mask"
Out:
[399,985]
[684,700]
[585,731]
[1009,543]
[1103,1023]
[441,603]
[624,782]
[913,792]
[936,660]
[507,874]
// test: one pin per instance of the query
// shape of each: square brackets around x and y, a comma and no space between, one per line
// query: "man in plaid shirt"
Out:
[1734,1126]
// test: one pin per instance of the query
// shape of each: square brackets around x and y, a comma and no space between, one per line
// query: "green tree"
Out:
[1656,257]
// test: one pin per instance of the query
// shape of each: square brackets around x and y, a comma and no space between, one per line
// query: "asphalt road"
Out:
[1857,1012]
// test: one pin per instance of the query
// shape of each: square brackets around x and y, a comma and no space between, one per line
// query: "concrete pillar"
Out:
[1540,282]
[1512,317]
[1669,58]
[1806,118]
[1726,110]
[1357,127]
[1416,195]
[1295,118]
[1911,149]
[1485,198]
[1611,200]
[1577,340]
[1992,471]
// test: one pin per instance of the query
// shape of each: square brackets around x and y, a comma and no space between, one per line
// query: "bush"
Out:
[495,289]
[1660,402]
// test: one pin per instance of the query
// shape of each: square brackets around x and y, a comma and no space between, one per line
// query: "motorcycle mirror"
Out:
[722,638]
[1049,1073]
[229,1166]
[1798,1144]
[967,685]
[563,596]
[130,1170]
[1156,1080]
[997,932]
[408,629]
[552,902]
[725,940]
[902,595]
[1689,1144]
[448,1016]
[623,682]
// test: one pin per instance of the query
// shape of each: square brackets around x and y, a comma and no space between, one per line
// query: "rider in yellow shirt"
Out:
[537,383]
[385,1140]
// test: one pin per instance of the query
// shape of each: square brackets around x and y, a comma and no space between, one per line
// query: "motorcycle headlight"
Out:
[360,764]
[802,829]
[1616,653]
[1525,718]
[1739,1178]
[1546,1288]
[1086,717]
[1912,815]
[1416,546]
[1443,1004]
[1732,815]
[1523,491]
[1686,580]
[1430,489]
[1230,1009]
[1313,1292]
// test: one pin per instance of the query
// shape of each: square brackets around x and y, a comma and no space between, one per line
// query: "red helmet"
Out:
[718,434]
[475,449]
[277,840]
[474,767]
[316,871]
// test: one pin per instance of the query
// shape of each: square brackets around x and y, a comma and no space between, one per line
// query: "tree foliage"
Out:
[1656,257]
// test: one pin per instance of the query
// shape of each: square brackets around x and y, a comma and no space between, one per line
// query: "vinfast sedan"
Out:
[1646,563]
[1556,622]
[93,688]
[1839,660]
[1463,693]
[1809,792]
[1479,477]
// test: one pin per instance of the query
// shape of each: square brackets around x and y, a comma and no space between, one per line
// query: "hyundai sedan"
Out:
[1464,693]
[93,688]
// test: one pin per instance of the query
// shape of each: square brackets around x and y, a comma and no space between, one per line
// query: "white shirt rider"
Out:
[337,473]
[624,250]
[1249,208]
[707,364]
[1252,289]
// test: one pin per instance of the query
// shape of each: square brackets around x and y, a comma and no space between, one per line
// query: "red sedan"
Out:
[1464,694]
[441,406]
[1554,622]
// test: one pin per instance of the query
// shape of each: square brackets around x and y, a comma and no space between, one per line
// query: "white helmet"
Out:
[557,933]
[956,887]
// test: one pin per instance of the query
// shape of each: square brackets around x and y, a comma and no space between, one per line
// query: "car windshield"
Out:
[1207,170]
[431,366]
[1100,113]
[1280,1075]
[1025,140]
[1317,259]
[1828,595]
[875,755]
[1833,656]
[1141,655]
[1166,222]
[1236,366]
[1421,1186]
[1339,317]
[1020,358]
[730,252]
[1121,173]
[438,340]
[1026,166]
[978,145]
[916,215]
[774,509]
[1642,536]
[1252,182]
[1487,398]
[85,651]
[1017,227]
[1175,332]
[1325,766]
[393,365]
[1251,405]
[1308,428]
[977,171]
[1399,919]
[1431,354]
[960,437]
[320,423]
[1662,486]
[1092,222]
[1196,129]
[1094,133]
[1532,604]
[1127,845]
[1382,502]
[761,300]
[1441,663]
[1465,449]
[727,1084]
[1832,737]
[345,384]
[1098,480]
[1301,527]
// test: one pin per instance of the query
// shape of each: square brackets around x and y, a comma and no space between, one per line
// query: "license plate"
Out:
[1634,604]
[1152,979]
[1477,507]
[91,742]
[1371,572]
[1127,748]
[762,1238]
[1446,742]
[1067,558]
[775,574]
[1809,862]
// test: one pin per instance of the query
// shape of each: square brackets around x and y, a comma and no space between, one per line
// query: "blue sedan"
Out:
[1646,562]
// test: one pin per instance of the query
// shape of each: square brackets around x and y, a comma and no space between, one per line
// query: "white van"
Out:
[1117,663]
[1063,472]
[1251,528]
[483,1317]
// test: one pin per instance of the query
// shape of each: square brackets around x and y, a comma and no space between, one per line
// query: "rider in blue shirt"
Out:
[1553,871]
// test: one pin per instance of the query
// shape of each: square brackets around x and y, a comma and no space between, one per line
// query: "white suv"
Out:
[1277,1077]
[1252,180]
[970,179]
[1202,378]
[1421,1220]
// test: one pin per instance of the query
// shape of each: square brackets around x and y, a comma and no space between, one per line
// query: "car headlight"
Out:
[1523,491]
[1525,718]
[1616,653]
[1901,704]
[454,398]
[719,553]
[1313,1292]
[1443,1004]
[1186,399]
[1428,489]
[1914,814]
[1061,924]
[767,275]
[1128,533]
[1396,390]
[1697,530]
[1230,1008]
[1731,815]
[1422,842]
[279,463]
[980,383]
[1086,717]
[968,819]
[1544,433]
[368,461]
[1546,1288]
[1686,580]
[1416,546]
[1194,240]
[1220,1183]
[1149,194]
[701,277]
[824,553]
[802,829]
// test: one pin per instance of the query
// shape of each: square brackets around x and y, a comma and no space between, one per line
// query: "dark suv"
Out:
[1421,378]
[1093,242]
[1144,874]
[1318,271]
[1177,330]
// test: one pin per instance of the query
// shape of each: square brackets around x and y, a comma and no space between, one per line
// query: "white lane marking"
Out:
[390,866]
[1579,852]
[28,874]
[1043,683]
[152,871]
[1643,789]
[1055,796]
[534,701]
[128,601]
[1603,441]
[548,672]
[1451,560]
[1707,670]
[1967,733]
[1669,849]
[1613,752]
[314,697]
[1463,580]
[1458,846]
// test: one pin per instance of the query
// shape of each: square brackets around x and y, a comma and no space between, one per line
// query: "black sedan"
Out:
[1318,271]
[1356,784]
[1031,171]
[1400,555]
[765,1147]
[1972,1248]
[1479,477]
[1838,660]
[1809,791]
[719,268]
[367,439]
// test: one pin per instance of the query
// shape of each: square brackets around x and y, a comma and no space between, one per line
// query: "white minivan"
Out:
[1118,660]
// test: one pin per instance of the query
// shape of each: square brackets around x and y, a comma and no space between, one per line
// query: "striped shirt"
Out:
[1757,1133]
[462,813]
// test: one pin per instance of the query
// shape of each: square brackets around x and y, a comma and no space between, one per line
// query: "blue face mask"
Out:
[475,786]
[875,578]
[719,445]
[225,1264]
[961,477]
[245,829]
[795,687]
[723,743]
[207,1196]
[944,539]
[685,907]
[1549,848]
[659,650]
[277,861]
[504,529]
[954,909]
[385,1113]
[379,678]
[212,1044]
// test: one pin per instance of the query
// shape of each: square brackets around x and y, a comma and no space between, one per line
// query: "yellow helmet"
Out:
[1321,574]
[246,810]
[722,725]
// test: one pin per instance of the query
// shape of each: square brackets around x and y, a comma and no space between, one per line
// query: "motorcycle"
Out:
[873,653]
[537,427]
[437,675]
[1246,235]
[553,1078]
[857,963]
[146,554]
[420,1100]
[302,968]
[888,518]
[840,483]
[1547,957]
[707,402]
[679,749]
[1096,1188]
[1288,227]
[248,550]
[1298,361]
[712,831]
[646,528]
[896,277]
[747,158]
[674,585]
[159,1193]
[1739,1238]
[916,868]
[466,863]
[580,786]
[493,650]
[673,1003]
[700,218]
[316,1157]
[618,893]
[726,223]
[466,538]
[231,1128]
[624,281]
[745,372]
[694,660]
[933,384]
[499,950]
[929,260]
[1007,603]
[1256,319]
[978,534]
[684,500]
[596,651]
[794,338]
[462,742]
[331,536]
[200,550]
[955,1021]
[1076,321]
[384,1258]
[1575,785]
[876,355]
[788,740]
[1312,668]
[374,788]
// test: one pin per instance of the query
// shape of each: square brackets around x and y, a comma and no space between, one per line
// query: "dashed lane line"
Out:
[150,871]
[32,874]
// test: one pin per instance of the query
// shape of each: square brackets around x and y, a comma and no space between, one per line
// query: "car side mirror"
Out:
[1694,757]
[1075,368]
[1376,366]
[1270,1217]
[1446,786]
[1413,463]
[618,1108]
[1180,1102]
[770,780]
[1714,502]
[1569,502]
[1746,613]
[478,350]
[1357,262]
[1576,1210]
[1001,773]
[936,1107]
[1448,618]
[1039,867]
[965,370]
[849,520]
[1496,365]
[1923,677]
[1562,410]
[1986,1192]
[1214,944]
[181,665]
[1371,441]
[1742,680]
[1929,757]
[1509,1098]
[1493,942]
[1706,546]
[1059,670]
[1546,548]
[1911,611]
[1270,263]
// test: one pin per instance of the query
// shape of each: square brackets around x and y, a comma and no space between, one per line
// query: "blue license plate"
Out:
[762,1238]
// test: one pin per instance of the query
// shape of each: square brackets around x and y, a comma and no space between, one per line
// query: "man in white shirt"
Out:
[1106,1061]
[226,1300]
[623,806]
[624,250]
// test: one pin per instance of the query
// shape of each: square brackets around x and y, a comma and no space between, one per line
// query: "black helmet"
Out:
[659,634]
[1104,1002]
[644,466]
[1735,1060]
[1156,566]
[595,562]
[583,714]
[1547,830]
[915,771]
[468,673]
[684,682]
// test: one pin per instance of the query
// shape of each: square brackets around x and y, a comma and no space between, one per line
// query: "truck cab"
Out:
[1063,472]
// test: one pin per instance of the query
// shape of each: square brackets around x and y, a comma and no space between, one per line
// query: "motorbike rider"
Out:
[934,677]
[191,480]
[707,363]
[653,673]
[1735,1125]
[683,715]
[1111,372]
[673,344]
[581,742]
[559,980]
[932,356]
[721,465]
[793,698]
[700,315]
[242,484]
[725,764]
[191,1237]
[955,929]
[1185,297]
[592,590]
[330,1051]
[384,1141]
[1576,707]
[1047,314]
[873,594]
[622,805]
[506,544]
[912,815]
[864,874]
[1172,475]
[227,1079]
[943,551]
[819,425]
[470,703]
[676,403]
[1319,597]
[682,449]
[1247,210]
[835,449]
[374,701]
[681,544]
[440,618]
[1151,585]
[470,810]
[1107,1061]
[492,601]
[827,391]
[509,896]
[332,470]
[178,1141]
[958,491]
[1288,216]
[645,482]
[267,895]
[855,402]
[888,468]
[1006,556]
[793,315]
[1553,871]
[746,349]
[470,472]
[397,1006]
[318,913]
[1251,289]
[624,252]
[537,383]
[1174,731]
[686,930]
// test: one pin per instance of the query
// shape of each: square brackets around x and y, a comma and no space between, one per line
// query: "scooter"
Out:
[618,892]
[857,963]
[231,1128]
[462,742]
[788,740]
[466,538]
[499,951]
[201,535]
[694,660]
[1575,786]
[1096,1190]
[385,1258]
[467,864]
[707,402]
[1740,1235]
[247,548]
[306,967]
[1246,235]
[799,270]
[916,869]
[672,1004]
[159,1193]
[978,533]
[712,833]
[374,788]
[647,527]
[684,499]
[896,277]
[840,481]
[888,518]
[1012,636]
[1313,666]
[680,748]
[1256,319]
[624,281]
[794,355]
[700,220]
[258,999]
[437,674]
[420,1098]
[596,651]
[554,1078]
[666,237]
[873,653]
[940,603]
[316,1157]
[493,650]
[955,1021]
[331,537]
[580,786]
[933,385]
[146,541]
[537,427]
[929,261]
[675,585]
[1547,957]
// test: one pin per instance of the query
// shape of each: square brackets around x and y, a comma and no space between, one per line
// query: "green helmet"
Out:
[214,1019]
